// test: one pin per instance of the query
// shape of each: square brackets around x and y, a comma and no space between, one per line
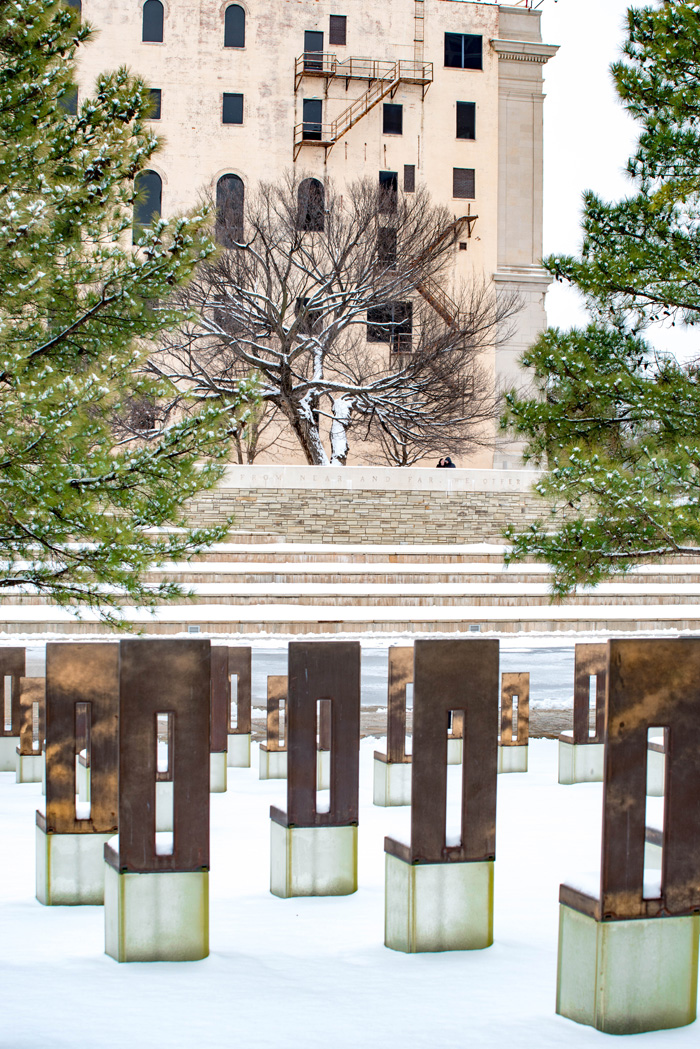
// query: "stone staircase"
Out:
[256,585]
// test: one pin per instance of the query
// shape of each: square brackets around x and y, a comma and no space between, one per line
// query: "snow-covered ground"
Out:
[307,973]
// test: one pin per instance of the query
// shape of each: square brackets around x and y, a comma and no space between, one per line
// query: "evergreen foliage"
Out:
[76,320]
[616,424]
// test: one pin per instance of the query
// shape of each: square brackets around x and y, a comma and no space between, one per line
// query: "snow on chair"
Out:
[273,752]
[82,708]
[12,668]
[628,936]
[439,885]
[157,884]
[581,751]
[313,844]
[515,723]
[29,767]
[392,771]
[239,712]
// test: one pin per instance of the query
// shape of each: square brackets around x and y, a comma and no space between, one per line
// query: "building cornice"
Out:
[524,50]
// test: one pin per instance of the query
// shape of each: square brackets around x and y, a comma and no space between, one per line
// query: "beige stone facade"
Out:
[193,70]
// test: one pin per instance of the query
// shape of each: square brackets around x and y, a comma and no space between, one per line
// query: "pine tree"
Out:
[77,317]
[616,424]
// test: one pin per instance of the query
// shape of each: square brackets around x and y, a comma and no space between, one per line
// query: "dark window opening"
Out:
[312,117]
[76,5]
[313,46]
[234,26]
[393,119]
[311,204]
[230,195]
[392,323]
[68,101]
[152,28]
[388,190]
[142,414]
[462,245]
[155,96]
[337,34]
[463,51]
[232,110]
[310,319]
[386,247]
[409,178]
[463,183]
[147,204]
[466,120]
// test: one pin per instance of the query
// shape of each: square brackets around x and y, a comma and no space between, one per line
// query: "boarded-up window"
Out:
[409,178]
[463,183]
[388,190]
[311,204]
[392,119]
[386,246]
[152,26]
[466,120]
[147,205]
[337,33]
[234,26]
[155,97]
[232,109]
[230,196]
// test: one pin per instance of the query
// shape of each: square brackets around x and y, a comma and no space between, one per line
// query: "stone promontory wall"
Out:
[354,504]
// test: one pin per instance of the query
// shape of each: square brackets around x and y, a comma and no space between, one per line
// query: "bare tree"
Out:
[335,303]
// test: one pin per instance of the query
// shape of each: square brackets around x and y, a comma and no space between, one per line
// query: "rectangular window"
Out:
[389,188]
[68,101]
[155,95]
[393,119]
[463,51]
[466,120]
[313,48]
[386,246]
[392,323]
[312,116]
[232,112]
[337,33]
[409,178]
[463,183]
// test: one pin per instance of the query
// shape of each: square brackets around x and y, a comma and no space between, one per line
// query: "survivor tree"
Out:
[335,301]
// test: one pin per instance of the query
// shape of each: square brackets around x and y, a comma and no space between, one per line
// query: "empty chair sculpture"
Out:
[239,705]
[513,743]
[392,771]
[82,710]
[157,884]
[29,766]
[439,884]
[581,750]
[628,938]
[313,844]
[12,668]
[273,752]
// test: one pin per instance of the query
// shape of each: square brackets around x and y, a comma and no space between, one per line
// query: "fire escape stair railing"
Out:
[385,77]
[444,306]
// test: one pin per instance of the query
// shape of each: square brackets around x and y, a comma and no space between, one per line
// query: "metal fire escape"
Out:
[431,291]
[384,77]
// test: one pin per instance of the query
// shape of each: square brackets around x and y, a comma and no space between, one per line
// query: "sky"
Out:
[588,137]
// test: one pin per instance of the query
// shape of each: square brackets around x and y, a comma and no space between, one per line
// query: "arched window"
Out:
[152,31]
[311,202]
[230,193]
[234,26]
[147,205]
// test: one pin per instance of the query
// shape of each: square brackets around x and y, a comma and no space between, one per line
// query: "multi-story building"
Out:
[444,92]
